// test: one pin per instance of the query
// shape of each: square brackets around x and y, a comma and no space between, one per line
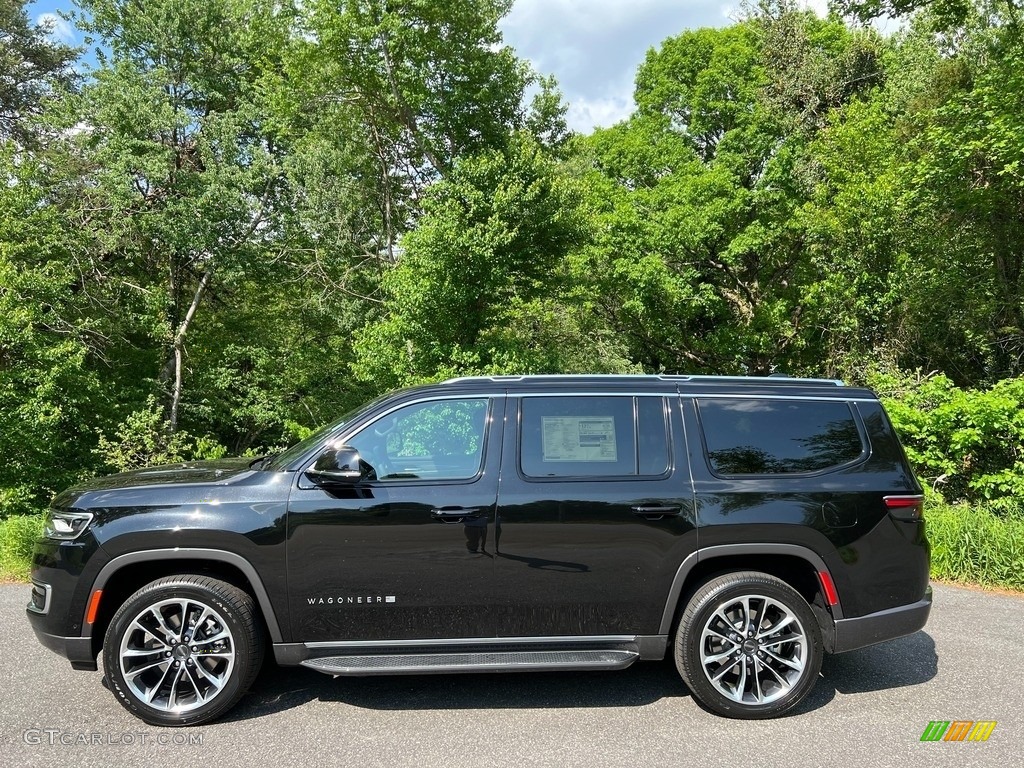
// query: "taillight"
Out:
[906,508]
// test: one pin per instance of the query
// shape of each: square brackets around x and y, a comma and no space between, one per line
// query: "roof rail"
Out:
[774,379]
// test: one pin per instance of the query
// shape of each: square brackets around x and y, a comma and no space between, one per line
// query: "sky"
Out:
[593,47]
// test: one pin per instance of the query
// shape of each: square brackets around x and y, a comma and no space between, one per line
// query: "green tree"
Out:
[50,394]
[181,174]
[938,204]
[703,258]
[32,68]
[397,91]
[483,285]
[970,188]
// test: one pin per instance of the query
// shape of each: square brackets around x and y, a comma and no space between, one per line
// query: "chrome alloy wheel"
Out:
[753,649]
[177,655]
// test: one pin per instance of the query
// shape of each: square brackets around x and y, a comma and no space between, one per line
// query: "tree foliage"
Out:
[33,70]
[249,215]
[711,182]
[968,444]
[484,282]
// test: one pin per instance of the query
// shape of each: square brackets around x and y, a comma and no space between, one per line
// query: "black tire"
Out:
[760,672]
[191,682]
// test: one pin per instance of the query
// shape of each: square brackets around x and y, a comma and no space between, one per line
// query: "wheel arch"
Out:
[795,564]
[125,574]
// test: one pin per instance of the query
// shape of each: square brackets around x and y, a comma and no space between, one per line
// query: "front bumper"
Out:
[62,572]
[862,631]
[77,650]
[44,611]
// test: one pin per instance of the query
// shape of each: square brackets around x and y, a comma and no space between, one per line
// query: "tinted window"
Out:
[593,436]
[773,437]
[439,440]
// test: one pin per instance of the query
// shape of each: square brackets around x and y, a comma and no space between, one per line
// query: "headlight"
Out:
[66,525]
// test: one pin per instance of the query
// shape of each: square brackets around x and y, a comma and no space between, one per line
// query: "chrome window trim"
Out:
[758,396]
[691,395]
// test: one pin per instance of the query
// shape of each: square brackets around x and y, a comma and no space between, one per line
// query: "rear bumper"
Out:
[859,632]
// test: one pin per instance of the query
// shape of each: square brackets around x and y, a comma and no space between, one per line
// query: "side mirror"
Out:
[337,465]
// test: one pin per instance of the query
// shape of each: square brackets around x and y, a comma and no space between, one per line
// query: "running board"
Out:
[451,663]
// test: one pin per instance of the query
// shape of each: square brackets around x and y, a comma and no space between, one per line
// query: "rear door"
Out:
[594,510]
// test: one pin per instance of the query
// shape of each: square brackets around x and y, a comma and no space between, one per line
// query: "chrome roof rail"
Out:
[775,379]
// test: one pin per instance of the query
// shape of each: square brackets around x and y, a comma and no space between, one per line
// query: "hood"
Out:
[215,472]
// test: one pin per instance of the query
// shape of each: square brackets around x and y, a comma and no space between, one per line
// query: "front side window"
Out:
[437,440]
[778,437]
[593,436]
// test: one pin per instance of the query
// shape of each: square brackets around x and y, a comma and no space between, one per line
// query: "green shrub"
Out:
[17,538]
[973,544]
[968,444]
[143,439]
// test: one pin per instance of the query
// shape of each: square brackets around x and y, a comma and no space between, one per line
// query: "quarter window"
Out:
[778,437]
[438,440]
[589,436]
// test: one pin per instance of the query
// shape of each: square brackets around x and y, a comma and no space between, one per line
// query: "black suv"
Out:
[744,525]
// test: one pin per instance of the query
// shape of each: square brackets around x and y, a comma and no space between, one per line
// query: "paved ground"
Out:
[869,709]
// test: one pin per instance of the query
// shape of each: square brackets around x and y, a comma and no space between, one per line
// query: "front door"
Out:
[405,554]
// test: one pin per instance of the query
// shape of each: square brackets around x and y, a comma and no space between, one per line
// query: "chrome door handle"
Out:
[455,514]
[654,512]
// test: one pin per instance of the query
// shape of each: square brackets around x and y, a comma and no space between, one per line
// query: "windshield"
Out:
[285,458]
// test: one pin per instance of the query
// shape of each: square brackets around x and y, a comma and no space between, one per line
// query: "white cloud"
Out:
[585,113]
[593,47]
[733,11]
[57,28]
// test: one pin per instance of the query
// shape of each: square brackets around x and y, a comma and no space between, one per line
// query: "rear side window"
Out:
[590,436]
[778,437]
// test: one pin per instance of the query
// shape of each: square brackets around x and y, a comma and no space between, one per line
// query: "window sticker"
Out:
[579,438]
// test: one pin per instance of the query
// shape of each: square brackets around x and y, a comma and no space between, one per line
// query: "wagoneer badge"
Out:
[350,600]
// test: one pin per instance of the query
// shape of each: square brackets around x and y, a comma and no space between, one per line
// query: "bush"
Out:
[143,439]
[967,444]
[17,539]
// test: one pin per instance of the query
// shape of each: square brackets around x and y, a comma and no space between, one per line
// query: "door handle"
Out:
[455,514]
[653,512]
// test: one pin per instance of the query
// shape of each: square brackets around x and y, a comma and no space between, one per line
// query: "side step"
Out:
[451,663]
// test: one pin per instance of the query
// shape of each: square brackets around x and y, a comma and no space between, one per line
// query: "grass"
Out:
[17,538]
[973,545]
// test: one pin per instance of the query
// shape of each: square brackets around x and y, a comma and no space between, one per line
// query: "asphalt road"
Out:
[868,709]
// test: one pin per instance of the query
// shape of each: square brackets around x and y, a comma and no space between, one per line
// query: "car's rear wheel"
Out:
[748,646]
[183,649]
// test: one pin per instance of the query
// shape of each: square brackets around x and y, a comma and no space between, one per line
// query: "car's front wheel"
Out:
[183,649]
[748,646]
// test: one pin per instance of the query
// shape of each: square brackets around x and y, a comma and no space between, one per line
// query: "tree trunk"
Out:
[179,348]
